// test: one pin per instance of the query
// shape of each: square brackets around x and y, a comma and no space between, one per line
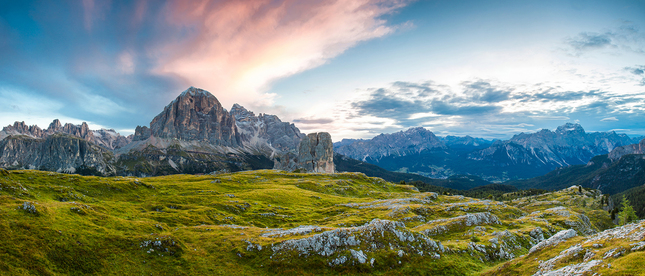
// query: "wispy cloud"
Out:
[314,121]
[588,41]
[236,48]
[638,71]
[106,61]
[486,107]
[624,38]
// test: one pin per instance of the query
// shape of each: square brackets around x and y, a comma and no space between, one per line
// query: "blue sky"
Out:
[354,68]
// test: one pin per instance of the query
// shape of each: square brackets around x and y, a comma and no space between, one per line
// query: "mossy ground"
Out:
[196,225]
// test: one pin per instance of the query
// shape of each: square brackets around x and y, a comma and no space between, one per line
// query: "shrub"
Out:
[628,214]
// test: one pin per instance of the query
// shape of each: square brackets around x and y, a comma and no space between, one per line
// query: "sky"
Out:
[355,69]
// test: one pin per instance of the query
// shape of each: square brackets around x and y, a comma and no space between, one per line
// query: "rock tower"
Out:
[315,154]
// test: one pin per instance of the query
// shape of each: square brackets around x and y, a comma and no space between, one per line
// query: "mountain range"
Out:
[525,155]
[621,169]
[193,134]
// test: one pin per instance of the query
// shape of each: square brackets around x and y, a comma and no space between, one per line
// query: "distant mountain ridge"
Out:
[620,170]
[525,155]
[619,152]
[411,141]
[107,138]
[568,145]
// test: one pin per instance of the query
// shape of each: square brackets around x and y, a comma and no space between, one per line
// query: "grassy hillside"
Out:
[268,222]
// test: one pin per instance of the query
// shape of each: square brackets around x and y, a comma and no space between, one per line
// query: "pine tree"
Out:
[628,214]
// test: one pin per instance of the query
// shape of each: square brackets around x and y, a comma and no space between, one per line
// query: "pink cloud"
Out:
[93,11]
[88,9]
[236,48]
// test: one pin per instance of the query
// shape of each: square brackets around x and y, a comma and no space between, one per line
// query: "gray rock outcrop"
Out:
[360,242]
[315,154]
[442,226]
[554,240]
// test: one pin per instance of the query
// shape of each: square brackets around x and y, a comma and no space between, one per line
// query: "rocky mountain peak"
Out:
[54,126]
[265,132]
[82,130]
[241,114]
[195,115]
[412,136]
[417,130]
[198,99]
[193,92]
[413,140]
[570,128]
[20,128]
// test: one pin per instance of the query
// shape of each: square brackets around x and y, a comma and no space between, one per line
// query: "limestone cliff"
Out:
[315,154]
[59,152]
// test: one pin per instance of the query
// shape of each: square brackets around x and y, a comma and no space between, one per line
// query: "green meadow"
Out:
[273,222]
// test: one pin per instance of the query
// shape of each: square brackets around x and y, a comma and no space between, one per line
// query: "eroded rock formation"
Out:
[315,154]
